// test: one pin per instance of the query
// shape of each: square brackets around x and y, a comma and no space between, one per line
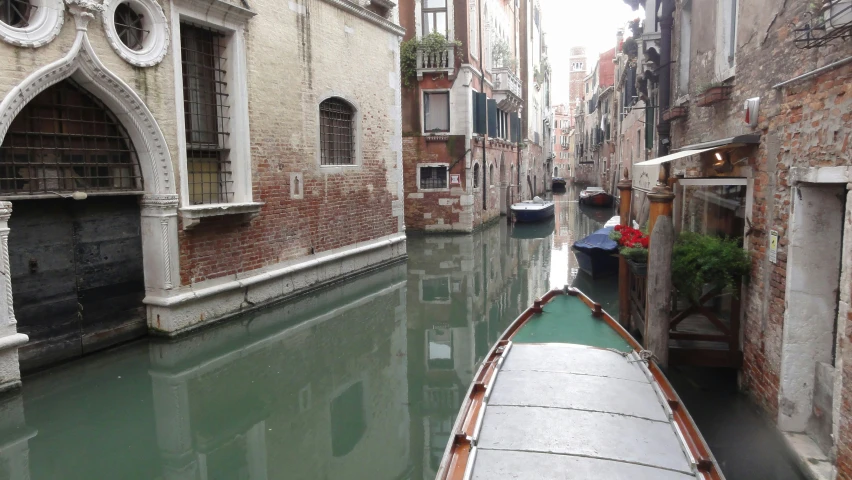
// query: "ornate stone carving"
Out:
[42,27]
[156,42]
[84,11]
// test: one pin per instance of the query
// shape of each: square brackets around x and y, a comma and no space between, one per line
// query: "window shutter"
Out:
[479,107]
[492,118]
[649,128]
[515,125]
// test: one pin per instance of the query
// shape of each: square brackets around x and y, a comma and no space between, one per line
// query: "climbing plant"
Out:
[501,54]
[434,43]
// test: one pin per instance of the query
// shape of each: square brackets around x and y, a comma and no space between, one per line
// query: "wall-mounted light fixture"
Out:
[723,162]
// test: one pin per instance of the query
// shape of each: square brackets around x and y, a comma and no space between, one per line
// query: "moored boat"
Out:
[567,393]
[596,253]
[559,183]
[595,196]
[534,210]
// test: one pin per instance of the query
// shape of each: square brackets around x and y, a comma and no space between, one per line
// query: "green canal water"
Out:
[359,381]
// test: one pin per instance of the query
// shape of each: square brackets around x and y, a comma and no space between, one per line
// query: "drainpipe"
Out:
[664,101]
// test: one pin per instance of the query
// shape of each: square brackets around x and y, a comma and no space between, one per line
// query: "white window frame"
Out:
[231,23]
[426,165]
[725,39]
[358,156]
[449,110]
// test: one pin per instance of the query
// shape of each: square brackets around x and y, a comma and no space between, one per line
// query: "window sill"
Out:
[193,215]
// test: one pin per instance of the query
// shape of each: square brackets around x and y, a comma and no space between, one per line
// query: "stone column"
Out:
[844,325]
[10,339]
[625,193]
[160,253]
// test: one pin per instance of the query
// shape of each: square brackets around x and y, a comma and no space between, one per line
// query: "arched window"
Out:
[476,175]
[337,132]
[66,140]
[491,174]
[555,171]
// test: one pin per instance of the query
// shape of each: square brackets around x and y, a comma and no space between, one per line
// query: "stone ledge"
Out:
[808,456]
[192,215]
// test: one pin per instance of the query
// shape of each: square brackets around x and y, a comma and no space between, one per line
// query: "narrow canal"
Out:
[359,381]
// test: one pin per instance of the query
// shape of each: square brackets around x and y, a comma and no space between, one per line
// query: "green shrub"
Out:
[700,260]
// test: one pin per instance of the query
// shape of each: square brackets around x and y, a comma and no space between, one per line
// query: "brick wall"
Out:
[294,60]
[806,124]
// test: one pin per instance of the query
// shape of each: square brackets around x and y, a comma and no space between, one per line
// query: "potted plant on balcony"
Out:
[430,46]
[633,246]
[713,92]
[674,112]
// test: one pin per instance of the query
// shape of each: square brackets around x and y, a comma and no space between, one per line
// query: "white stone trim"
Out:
[231,21]
[192,306]
[368,16]
[192,215]
[357,133]
[426,165]
[43,27]
[156,43]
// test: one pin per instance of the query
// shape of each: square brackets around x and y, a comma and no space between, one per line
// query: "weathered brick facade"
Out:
[804,128]
[289,223]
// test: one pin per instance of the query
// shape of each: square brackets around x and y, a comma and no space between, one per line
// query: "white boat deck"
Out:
[561,411]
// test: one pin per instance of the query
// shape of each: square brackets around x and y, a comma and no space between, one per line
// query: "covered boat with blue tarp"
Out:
[596,253]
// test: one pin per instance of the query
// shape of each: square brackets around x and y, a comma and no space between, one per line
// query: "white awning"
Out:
[673,156]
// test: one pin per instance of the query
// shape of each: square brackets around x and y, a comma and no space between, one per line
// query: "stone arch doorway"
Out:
[76,265]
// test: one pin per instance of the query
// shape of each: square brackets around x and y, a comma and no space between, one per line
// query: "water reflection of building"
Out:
[463,292]
[321,396]
[312,389]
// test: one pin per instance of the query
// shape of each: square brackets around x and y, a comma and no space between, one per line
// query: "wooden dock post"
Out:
[625,195]
[660,290]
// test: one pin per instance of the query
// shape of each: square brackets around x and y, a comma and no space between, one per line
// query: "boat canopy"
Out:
[598,240]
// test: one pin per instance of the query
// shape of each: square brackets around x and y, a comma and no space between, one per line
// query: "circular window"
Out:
[30,23]
[136,30]
[15,13]
[129,27]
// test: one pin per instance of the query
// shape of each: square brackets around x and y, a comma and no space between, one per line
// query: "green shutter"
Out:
[492,118]
[479,113]
[649,128]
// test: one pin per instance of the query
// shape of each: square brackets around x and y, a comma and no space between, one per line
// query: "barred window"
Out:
[337,132]
[129,26]
[16,13]
[66,140]
[476,176]
[206,115]
[433,177]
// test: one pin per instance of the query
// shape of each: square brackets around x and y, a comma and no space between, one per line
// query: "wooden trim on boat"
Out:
[457,461]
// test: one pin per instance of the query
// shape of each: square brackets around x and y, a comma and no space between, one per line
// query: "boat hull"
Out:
[528,215]
[559,183]
[597,200]
[597,263]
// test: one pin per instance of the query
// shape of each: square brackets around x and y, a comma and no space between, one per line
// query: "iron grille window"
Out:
[476,176]
[16,13]
[206,115]
[433,177]
[65,140]
[337,132]
[129,27]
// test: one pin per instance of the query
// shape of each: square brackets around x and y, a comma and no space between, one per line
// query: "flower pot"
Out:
[673,113]
[714,95]
[639,269]
[838,14]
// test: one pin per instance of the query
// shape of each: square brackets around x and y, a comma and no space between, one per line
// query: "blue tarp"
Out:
[597,241]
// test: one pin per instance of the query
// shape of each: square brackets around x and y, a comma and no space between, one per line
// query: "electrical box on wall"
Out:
[750,110]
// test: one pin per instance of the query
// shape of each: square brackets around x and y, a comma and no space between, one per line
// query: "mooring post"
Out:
[625,194]
[660,290]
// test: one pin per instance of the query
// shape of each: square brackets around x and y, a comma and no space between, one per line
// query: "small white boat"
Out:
[534,210]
